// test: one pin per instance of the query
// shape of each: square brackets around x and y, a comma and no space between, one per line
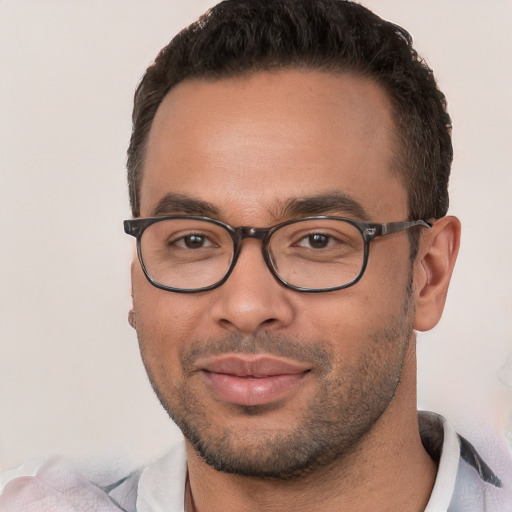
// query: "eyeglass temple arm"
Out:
[393,227]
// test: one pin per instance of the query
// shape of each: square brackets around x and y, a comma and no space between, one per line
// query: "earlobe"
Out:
[433,270]
[131,318]
[131,312]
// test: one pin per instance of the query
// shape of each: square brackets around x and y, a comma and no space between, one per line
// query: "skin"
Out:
[247,146]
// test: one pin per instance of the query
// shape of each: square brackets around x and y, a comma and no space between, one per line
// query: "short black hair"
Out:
[237,37]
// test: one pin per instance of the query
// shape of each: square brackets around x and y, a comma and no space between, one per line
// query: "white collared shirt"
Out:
[464,482]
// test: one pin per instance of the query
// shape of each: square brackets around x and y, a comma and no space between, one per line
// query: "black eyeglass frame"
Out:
[368,230]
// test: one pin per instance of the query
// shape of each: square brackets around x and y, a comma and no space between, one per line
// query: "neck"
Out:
[388,470]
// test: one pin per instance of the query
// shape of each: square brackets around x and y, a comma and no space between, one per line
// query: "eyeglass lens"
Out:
[190,254]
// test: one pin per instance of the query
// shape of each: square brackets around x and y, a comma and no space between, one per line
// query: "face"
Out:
[264,380]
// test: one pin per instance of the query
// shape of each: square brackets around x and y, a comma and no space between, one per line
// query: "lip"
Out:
[252,380]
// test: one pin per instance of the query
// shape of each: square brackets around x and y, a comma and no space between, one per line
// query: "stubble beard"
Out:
[350,401]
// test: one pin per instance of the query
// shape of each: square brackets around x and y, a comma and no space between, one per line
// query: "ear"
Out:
[433,269]
[131,318]
[131,311]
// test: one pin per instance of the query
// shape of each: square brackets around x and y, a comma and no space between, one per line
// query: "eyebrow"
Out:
[321,204]
[325,204]
[180,204]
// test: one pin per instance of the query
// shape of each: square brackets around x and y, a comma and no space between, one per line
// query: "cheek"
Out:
[348,318]
[164,321]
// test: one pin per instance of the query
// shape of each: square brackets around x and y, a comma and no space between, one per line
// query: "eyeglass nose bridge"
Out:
[262,234]
[250,232]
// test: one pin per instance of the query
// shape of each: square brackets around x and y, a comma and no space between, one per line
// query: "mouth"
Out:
[252,380]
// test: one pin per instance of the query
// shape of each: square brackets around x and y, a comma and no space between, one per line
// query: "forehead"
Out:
[250,143]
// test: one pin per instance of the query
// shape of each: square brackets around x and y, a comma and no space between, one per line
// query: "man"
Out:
[288,174]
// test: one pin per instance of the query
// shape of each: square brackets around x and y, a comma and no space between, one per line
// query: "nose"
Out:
[252,299]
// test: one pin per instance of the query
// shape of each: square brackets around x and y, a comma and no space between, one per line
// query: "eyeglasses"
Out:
[187,253]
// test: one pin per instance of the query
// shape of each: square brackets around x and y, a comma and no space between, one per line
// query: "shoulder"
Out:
[468,479]
[55,485]
[483,479]
[51,484]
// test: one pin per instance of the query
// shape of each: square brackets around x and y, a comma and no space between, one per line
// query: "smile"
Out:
[252,381]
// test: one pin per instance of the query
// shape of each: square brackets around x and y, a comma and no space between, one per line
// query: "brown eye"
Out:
[318,241]
[194,241]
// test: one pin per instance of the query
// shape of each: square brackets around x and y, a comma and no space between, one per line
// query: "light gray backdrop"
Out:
[70,377]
